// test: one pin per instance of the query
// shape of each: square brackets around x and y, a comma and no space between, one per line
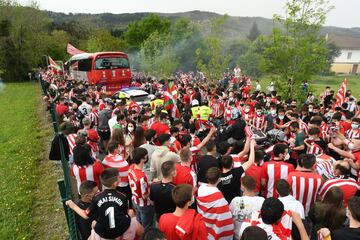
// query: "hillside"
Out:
[235,26]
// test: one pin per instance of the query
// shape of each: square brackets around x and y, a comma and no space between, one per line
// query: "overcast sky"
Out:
[345,14]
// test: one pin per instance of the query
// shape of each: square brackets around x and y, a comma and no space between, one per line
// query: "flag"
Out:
[73,50]
[212,205]
[170,102]
[171,88]
[53,64]
[340,96]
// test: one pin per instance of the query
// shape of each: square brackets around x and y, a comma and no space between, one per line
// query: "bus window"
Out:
[85,65]
[111,63]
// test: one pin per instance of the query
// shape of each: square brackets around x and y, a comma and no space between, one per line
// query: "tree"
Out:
[333,52]
[157,56]
[211,59]
[101,40]
[25,41]
[138,31]
[57,42]
[254,32]
[299,51]
[252,61]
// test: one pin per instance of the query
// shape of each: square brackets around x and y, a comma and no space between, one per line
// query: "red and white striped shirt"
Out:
[118,162]
[217,108]
[303,126]
[323,130]
[305,187]
[324,166]
[151,121]
[215,210]
[237,162]
[273,171]
[71,141]
[87,173]
[258,121]
[228,114]
[139,187]
[353,134]
[277,231]
[314,149]
[349,187]
[94,117]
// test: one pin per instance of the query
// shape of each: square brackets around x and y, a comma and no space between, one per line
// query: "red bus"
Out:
[109,69]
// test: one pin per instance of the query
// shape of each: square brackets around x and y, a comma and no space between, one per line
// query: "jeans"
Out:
[144,215]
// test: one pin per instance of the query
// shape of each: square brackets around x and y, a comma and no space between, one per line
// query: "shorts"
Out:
[130,233]
[104,134]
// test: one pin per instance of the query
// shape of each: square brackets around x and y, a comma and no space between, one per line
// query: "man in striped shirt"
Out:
[115,160]
[354,132]
[304,182]
[348,186]
[276,169]
[276,221]
[212,205]
[140,188]
[94,116]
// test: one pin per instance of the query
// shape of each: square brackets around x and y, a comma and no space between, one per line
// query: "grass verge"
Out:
[30,207]
[318,84]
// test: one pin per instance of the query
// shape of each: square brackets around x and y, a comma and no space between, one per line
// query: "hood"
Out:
[161,151]
[184,226]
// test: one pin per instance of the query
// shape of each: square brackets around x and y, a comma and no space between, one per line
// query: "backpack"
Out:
[55,147]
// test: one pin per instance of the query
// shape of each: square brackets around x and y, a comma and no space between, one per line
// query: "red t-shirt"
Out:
[184,175]
[167,224]
[344,126]
[176,144]
[160,128]
[255,172]
[61,109]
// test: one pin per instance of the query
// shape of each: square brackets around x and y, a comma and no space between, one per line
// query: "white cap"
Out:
[194,102]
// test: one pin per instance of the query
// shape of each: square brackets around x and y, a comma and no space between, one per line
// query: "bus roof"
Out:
[89,55]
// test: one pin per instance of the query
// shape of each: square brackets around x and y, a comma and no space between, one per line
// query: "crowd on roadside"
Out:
[233,161]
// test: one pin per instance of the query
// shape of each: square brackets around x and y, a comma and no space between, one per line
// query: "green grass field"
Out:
[30,206]
[320,82]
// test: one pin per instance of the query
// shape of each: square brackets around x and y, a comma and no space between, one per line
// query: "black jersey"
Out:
[109,209]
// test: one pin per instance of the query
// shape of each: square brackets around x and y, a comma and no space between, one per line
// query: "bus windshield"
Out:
[111,63]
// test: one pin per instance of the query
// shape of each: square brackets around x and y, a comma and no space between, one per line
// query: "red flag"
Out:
[340,96]
[73,50]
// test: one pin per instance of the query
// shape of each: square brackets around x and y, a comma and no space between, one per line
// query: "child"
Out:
[110,209]
[183,223]
[88,189]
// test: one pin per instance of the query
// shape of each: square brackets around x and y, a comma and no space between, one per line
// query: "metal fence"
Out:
[65,183]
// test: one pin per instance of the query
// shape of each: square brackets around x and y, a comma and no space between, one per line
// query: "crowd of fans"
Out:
[235,163]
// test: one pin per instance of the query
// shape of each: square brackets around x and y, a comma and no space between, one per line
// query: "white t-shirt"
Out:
[85,109]
[241,208]
[112,121]
[291,204]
